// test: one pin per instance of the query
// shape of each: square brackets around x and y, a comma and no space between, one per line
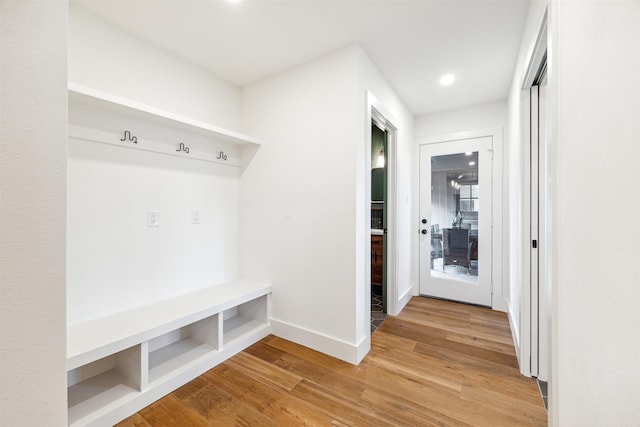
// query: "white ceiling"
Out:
[412,42]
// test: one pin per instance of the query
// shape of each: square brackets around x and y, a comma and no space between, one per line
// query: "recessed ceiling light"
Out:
[472,163]
[468,153]
[447,79]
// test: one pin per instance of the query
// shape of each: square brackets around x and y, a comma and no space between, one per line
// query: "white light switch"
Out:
[153,219]
[195,217]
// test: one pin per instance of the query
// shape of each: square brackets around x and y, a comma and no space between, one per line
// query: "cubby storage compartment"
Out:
[182,348]
[121,363]
[105,384]
[244,319]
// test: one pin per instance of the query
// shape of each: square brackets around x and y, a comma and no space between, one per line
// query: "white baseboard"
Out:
[352,353]
[404,299]
[515,332]
[500,305]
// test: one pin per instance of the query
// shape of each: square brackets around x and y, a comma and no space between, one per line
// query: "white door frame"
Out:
[378,113]
[498,261]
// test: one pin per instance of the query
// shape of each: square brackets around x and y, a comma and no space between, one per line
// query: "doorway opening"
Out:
[381,203]
[379,178]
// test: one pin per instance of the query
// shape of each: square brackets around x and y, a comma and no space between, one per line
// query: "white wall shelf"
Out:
[105,118]
[121,363]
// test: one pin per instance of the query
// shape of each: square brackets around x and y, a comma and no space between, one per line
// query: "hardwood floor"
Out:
[436,364]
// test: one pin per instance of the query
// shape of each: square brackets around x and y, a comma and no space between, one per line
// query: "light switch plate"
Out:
[153,219]
[195,217]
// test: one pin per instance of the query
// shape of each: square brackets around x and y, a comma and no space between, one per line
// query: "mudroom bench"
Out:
[117,365]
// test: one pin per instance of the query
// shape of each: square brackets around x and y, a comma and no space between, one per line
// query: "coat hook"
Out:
[129,137]
[183,147]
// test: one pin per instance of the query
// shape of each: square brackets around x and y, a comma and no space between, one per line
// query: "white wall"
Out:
[33,107]
[596,320]
[477,117]
[298,200]
[304,199]
[104,57]
[116,262]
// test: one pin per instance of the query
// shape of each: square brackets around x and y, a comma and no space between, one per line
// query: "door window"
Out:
[454,216]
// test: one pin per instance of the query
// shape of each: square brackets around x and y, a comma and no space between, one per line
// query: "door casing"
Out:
[377,112]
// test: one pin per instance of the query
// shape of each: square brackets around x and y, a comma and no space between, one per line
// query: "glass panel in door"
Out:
[454,216]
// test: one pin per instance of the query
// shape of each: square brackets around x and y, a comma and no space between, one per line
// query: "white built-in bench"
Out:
[119,364]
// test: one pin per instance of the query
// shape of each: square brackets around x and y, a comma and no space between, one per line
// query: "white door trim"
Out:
[499,262]
[534,221]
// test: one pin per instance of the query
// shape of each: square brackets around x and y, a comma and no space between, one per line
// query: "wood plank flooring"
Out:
[436,364]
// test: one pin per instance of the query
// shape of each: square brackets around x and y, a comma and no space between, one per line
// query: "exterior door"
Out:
[455,220]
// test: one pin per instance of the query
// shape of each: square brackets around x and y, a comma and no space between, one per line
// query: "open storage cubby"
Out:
[119,364]
[244,318]
[179,349]
[104,383]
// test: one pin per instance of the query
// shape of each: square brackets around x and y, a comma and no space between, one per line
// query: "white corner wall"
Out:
[297,201]
[596,320]
[108,58]
[33,125]
[303,199]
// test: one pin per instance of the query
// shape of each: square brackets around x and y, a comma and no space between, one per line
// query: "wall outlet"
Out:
[153,219]
[195,217]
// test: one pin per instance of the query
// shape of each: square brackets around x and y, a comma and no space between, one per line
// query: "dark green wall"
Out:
[378,141]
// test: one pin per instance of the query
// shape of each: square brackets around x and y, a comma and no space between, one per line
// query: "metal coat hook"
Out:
[183,147]
[129,137]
